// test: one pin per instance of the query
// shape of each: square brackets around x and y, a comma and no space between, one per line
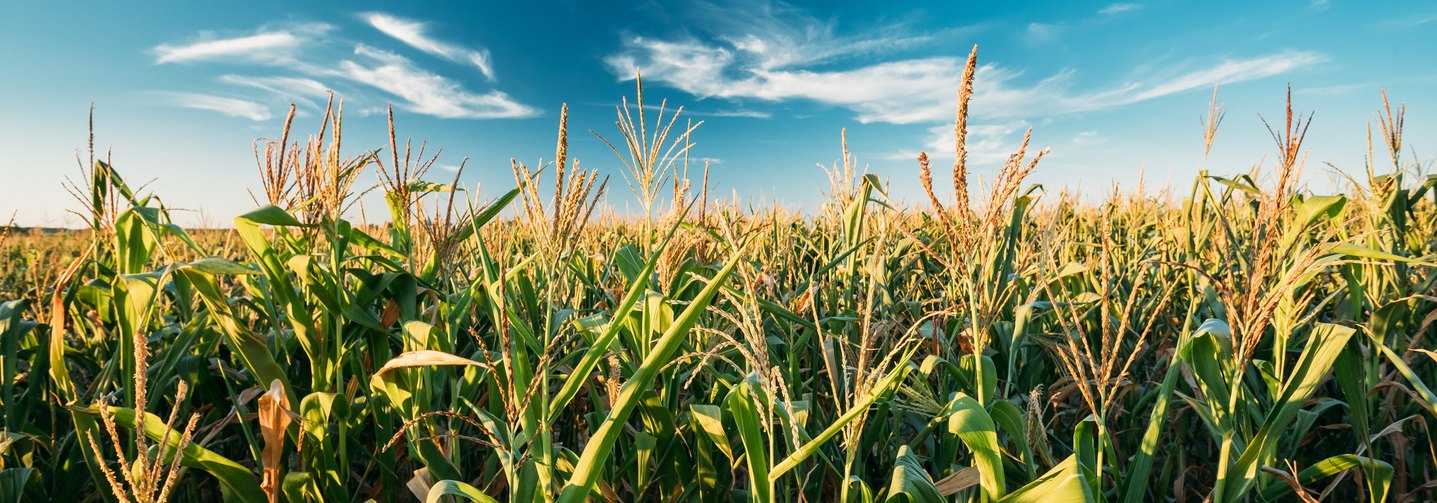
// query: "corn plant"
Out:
[1246,339]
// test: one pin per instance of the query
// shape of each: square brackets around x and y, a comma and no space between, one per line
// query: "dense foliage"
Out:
[1247,340]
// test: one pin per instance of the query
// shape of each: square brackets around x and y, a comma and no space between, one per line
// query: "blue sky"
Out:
[181,91]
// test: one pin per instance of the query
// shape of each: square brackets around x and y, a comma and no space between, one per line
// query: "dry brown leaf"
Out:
[958,481]
[274,418]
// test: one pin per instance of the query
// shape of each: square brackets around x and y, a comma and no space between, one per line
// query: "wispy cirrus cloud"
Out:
[1225,71]
[1001,107]
[999,94]
[272,44]
[916,90]
[300,89]
[777,53]
[781,55]
[751,114]
[233,107]
[416,34]
[1408,21]
[878,93]
[1119,8]
[302,67]
[426,92]
[776,35]
[241,46]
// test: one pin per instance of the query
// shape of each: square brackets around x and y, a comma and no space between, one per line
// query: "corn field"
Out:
[1241,339]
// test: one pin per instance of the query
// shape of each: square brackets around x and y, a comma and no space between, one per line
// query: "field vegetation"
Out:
[1238,339]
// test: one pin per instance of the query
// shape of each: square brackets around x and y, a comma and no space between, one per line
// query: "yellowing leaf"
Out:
[425,358]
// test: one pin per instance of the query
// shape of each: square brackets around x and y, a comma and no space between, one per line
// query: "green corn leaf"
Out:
[299,486]
[1063,484]
[1207,354]
[12,329]
[1135,488]
[220,265]
[637,286]
[889,382]
[443,488]
[1243,183]
[1315,207]
[13,482]
[1324,344]
[910,483]
[238,483]
[1315,472]
[1085,450]
[745,415]
[971,423]
[1353,250]
[487,214]
[270,215]
[1429,398]
[980,379]
[587,470]
[253,351]
[1014,421]
[708,419]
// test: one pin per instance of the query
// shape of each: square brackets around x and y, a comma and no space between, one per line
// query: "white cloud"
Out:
[233,107]
[316,64]
[248,47]
[987,144]
[1000,108]
[763,50]
[1228,71]
[751,114]
[911,90]
[775,53]
[414,34]
[268,45]
[878,92]
[1407,21]
[300,89]
[775,35]
[997,92]
[1119,8]
[425,92]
